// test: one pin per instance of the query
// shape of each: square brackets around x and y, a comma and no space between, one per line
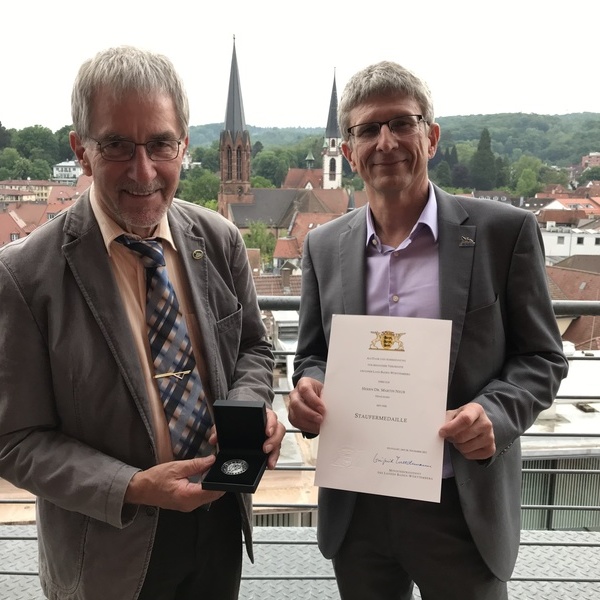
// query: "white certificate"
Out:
[385,396]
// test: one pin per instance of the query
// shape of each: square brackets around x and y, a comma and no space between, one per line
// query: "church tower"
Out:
[332,152]
[234,147]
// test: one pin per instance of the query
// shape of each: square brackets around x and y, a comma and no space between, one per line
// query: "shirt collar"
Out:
[111,230]
[427,218]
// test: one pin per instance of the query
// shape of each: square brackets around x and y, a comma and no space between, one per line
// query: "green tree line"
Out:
[517,152]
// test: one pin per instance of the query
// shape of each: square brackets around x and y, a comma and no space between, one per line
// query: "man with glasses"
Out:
[416,251]
[122,320]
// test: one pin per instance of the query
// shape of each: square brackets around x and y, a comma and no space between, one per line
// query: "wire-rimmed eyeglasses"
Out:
[403,126]
[123,150]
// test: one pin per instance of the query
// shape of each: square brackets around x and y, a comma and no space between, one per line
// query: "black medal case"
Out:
[241,461]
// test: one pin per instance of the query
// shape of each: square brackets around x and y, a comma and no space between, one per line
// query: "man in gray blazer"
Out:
[416,251]
[82,424]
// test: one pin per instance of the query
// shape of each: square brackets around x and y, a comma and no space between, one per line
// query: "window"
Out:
[229,165]
[14,236]
[332,169]
[560,240]
[580,241]
[238,156]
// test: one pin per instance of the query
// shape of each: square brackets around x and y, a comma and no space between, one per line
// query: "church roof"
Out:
[234,114]
[332,130]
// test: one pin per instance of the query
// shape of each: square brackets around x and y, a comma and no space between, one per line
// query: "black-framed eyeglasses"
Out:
[123,150]
[403,126]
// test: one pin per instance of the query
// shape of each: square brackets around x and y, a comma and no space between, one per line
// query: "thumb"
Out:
[193,466]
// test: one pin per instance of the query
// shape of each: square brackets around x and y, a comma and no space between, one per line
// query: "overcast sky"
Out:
[478,57]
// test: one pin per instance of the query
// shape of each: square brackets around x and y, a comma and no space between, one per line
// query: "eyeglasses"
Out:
[400,127]
[123,150]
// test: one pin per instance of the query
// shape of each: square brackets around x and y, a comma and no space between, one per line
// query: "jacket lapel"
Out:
[353,264]
[456,253]
[86,256]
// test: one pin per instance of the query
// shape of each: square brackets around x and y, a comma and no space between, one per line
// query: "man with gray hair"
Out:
[416,251]
[122,320]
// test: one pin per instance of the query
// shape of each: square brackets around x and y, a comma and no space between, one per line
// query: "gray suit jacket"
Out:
[506,351]
[75,424]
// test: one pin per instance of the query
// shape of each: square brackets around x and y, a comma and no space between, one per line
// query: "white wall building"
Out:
[67,172]
[562,242]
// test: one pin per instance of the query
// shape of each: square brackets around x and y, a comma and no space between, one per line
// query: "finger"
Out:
[273,457]
[271,422]
[193,466]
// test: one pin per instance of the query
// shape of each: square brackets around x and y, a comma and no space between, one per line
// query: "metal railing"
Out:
[556,481]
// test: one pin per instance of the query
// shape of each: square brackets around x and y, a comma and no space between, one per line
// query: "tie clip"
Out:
[178,374]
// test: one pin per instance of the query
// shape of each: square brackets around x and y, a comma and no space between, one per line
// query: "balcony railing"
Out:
[559,556]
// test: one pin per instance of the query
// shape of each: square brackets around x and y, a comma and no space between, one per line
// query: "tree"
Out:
[8,158]
[207,157]
[443,176]
[5,137]
[590,174]
[461,177]
[37,140]
[271,165]
[212,161]
[483,164]
[40,169]
[527,186]
[549,175]
[502,173]
[62,141]
[21,169]
[200,186]
[257,147]
[525,162]
[260,182]
[260,237]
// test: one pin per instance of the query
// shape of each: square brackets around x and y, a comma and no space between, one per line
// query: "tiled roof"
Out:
[305,222]
[581,262]
[299,178]
[584,332]
[287,248]
[272,285]
[572,217]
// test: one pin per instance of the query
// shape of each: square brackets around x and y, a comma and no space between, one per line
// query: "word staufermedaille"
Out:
[380,418]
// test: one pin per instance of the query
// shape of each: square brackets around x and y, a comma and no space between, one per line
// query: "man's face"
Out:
[391,164]
[137,192]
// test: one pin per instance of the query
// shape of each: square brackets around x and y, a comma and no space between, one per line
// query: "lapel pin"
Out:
[466,242]
[197,254]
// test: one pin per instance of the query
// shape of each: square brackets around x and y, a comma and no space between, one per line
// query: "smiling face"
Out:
[136,193]
[391,165]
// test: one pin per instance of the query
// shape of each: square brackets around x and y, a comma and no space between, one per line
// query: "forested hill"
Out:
[555,139]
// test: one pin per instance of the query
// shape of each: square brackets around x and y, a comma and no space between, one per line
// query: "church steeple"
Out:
[234,146]
[332,152]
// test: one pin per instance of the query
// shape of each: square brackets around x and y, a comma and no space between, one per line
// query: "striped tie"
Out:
[177,377]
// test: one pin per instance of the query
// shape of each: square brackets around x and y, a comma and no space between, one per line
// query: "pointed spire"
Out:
[234,114]
[332,130]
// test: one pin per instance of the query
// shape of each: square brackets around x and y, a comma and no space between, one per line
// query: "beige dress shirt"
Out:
[131,280]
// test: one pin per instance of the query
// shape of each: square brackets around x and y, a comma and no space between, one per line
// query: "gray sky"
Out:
[478,57]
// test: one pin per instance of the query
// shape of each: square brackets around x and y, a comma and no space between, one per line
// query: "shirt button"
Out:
[396,254]
[395,298]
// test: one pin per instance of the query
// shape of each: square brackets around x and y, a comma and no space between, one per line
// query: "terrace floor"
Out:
[552,565]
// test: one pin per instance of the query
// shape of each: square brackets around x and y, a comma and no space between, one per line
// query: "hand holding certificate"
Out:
[385,392]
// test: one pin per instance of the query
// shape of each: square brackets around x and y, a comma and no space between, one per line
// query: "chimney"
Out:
[286,274]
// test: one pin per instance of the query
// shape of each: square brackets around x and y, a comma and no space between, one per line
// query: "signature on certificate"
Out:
[398,460]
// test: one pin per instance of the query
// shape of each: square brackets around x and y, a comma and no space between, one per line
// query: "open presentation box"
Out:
[241,461]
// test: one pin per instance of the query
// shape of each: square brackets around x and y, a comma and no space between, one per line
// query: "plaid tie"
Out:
[177,377]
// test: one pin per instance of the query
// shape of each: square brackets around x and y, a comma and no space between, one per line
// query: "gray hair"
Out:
[126,69]
[385,78]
